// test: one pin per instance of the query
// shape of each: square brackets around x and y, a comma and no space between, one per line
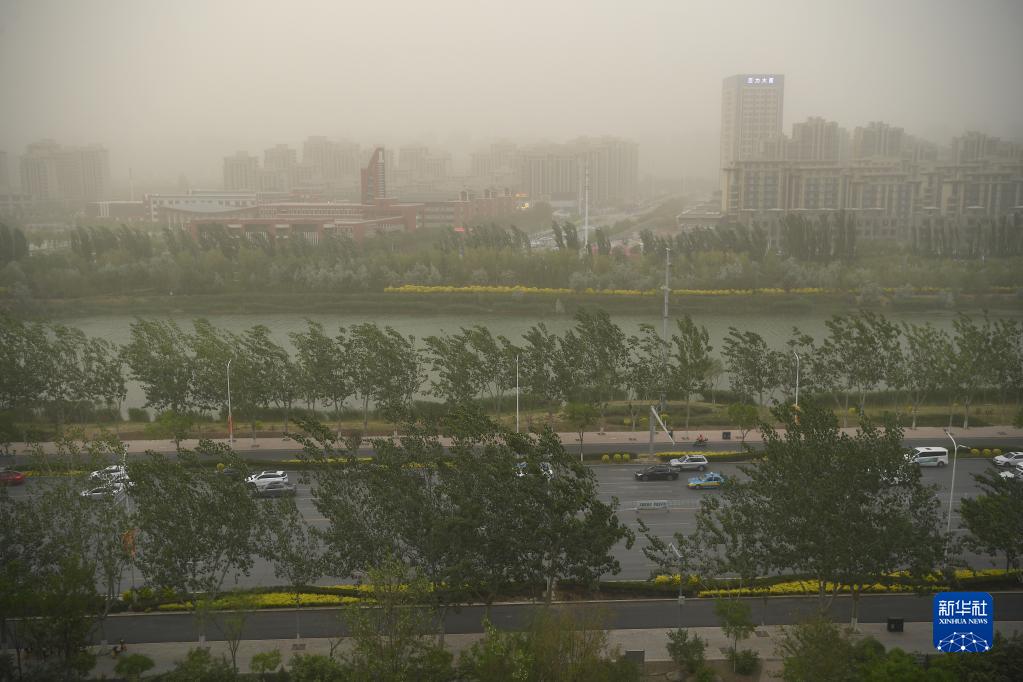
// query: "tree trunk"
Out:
[914,417]
[966,413]
[854,624]
[365,414]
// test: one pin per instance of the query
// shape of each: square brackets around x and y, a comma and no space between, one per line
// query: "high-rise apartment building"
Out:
[817,139]
[751,114]
[560,172]
[374,184]
[878,139]
[50,172]
[241,172]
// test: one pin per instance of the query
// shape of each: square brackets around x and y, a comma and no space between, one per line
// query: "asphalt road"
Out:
[620,615]
[618,481]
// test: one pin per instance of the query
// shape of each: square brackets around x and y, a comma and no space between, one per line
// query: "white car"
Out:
[115,473]
[1009,459]
[263,478]
[928,456]
[697,462]
[110,489]
[1014,473]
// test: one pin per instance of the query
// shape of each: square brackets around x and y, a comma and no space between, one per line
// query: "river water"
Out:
[776,328]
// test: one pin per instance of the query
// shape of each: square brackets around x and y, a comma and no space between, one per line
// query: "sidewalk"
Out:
[612,439]
[653,642]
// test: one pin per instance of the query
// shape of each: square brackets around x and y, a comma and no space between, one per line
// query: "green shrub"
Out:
[705,674]
[618,457]
[996,452]
[266,662]
[133,665]
[975,452]
[987,452]
[605,458]
[315,668]
[627,421]
[744,661]
[626,457]
[138,414]
[686,651]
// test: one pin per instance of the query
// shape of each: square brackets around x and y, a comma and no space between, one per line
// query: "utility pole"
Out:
[664,327]
[516,394]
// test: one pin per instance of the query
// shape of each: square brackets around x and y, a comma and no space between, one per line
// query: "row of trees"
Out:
[129,261]
[844,511]
[457,520]
[592,363]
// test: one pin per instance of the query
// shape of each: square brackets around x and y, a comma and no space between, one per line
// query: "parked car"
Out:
[1015,472]
[1009,459]
[114,473]
[275,489]
[9,476]
[657,472]
[689,463]
[928,456]
[708,480]
[110,489]
[264,478]
[546,470]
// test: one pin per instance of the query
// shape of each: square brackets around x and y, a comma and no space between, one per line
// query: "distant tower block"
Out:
[374,186]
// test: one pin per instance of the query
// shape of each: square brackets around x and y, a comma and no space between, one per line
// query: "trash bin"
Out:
[895,624]
[726,435]
[637,656]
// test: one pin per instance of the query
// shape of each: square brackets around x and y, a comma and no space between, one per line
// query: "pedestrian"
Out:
[122,645]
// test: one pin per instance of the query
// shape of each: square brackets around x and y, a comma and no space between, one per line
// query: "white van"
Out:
[928,456]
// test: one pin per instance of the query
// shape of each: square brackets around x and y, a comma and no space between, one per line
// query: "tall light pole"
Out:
[951,489]
[230,417]
[797,377]
[664,327]
[516,393]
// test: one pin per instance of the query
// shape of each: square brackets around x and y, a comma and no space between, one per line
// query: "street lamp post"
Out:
[681,597]
[797,377]
[516,394]
[230,417]
[951,489]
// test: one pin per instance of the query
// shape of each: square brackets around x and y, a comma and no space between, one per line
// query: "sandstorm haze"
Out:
[172,88]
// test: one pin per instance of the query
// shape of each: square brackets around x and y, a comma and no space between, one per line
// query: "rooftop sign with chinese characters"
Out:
[762,80]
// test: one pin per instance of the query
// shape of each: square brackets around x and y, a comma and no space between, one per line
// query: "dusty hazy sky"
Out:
[172,87]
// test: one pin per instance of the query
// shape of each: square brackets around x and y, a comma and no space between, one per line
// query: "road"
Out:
[618,481]
[620,615]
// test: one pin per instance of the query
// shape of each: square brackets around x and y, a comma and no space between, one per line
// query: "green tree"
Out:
[293,548]
[266,662]
[817,650]
[744,417]
[538,364]
[133,666]
[691,354]
[736,621]
[160,360]
[199,664]
[973,365]
[686,649]
[927,358]
[994,518]
[211,349]
[594,356]
[753,367]
[580,416]
[866,347]
[389,370]
[327,369]
[197,527]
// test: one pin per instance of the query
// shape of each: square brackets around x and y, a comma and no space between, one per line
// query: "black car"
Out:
[657,472]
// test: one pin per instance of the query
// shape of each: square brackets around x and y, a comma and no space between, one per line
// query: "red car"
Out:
[11,477]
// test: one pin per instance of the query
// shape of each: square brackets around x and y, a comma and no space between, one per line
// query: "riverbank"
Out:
[513,303]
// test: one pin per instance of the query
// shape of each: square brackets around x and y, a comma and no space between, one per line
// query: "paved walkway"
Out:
[653,642]
[683,439]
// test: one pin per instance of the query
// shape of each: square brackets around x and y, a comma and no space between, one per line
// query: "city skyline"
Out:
[455,76]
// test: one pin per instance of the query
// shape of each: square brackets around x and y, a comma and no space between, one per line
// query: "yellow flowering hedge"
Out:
[266,600]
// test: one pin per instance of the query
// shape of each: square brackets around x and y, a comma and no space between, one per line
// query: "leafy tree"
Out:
[594,354]
[744,417]
[866,348]
[326,368]
[159,358]
[316,668]
[736,621]
[211,350]
[24,363]
[973,365]
[67,385]
[294,549]
[104,369]
[753,367]
[199,664]
[687,651]
[266,662]
[268,376]
[197,527]
[389,370]
[459,366]
[691,353]
[580,416]
[390,641]
[648,369]
[556,645]
[538,364]
[866,515]
[818,650]
[994,518]
[927,363]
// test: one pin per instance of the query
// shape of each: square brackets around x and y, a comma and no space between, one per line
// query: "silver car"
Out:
[689,463]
